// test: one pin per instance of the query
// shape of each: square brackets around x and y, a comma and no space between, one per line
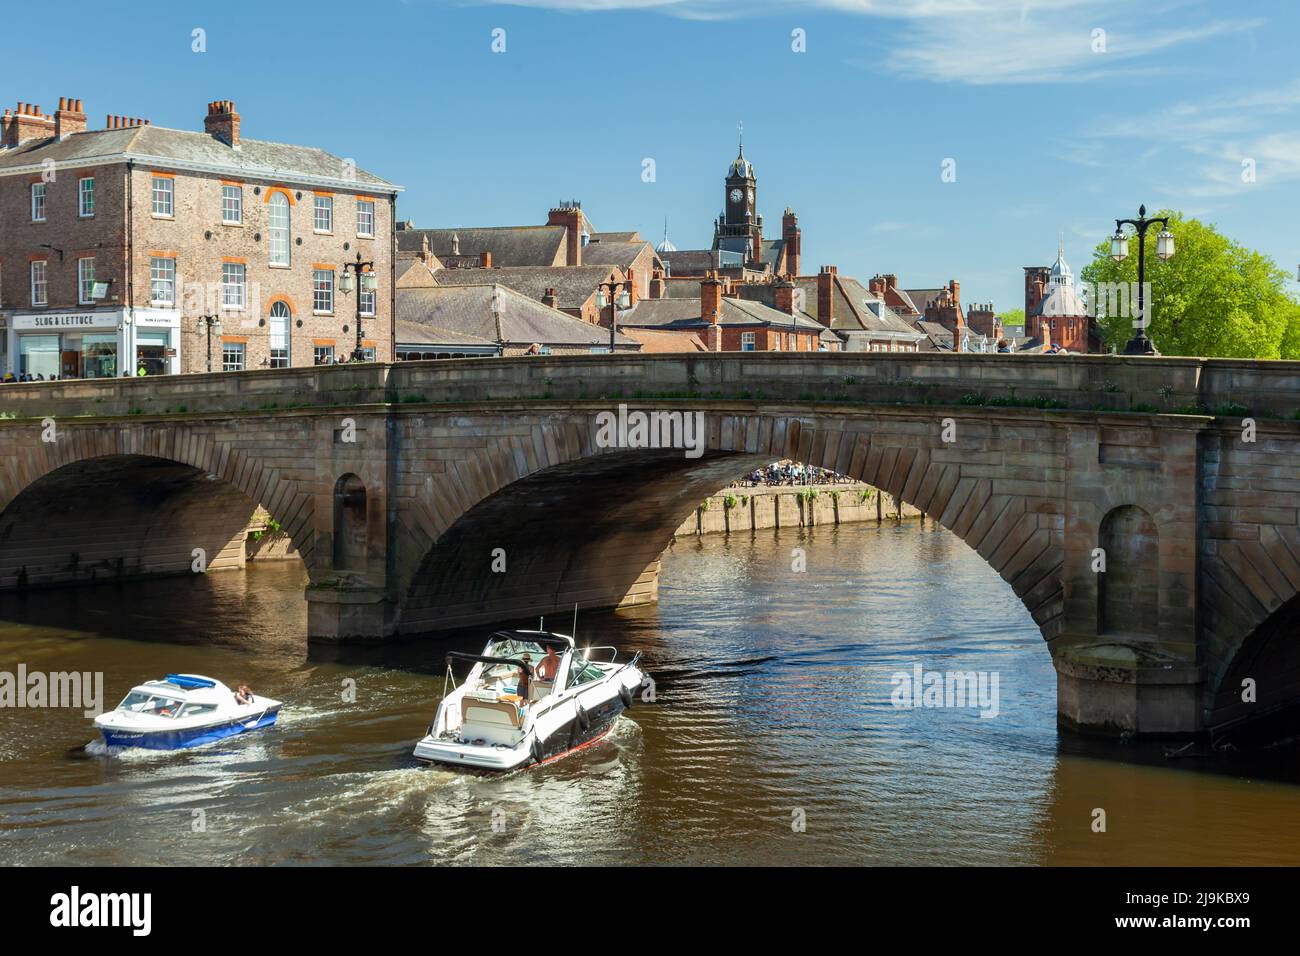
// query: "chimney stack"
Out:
[657,284]
[222,122]
[793,239]
[711,298]
[69,118]
[826,295]
[551,298]
[569,215]
[485,260]
[26,123]
[784,295]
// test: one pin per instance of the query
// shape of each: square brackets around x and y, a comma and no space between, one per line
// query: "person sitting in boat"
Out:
[244,696]
[548,666]
[522,684]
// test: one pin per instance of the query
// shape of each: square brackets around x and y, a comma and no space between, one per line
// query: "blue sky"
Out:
[1049,134]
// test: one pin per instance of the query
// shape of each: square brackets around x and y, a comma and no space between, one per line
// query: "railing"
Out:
[1081,382]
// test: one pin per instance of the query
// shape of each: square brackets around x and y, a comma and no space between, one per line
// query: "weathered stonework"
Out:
[397,485]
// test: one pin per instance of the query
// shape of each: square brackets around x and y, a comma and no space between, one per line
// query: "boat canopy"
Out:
[461,656]
[189,682]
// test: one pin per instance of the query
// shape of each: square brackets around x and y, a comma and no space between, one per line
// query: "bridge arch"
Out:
[584,524]
[102,503]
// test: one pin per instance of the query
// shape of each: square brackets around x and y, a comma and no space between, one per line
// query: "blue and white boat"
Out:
[182,710]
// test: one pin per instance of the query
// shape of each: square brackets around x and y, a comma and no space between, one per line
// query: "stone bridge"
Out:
[398,484]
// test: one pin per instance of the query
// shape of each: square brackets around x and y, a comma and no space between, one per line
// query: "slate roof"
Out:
[509,245]
[573,285]
[688,262]
[419,333]
[632,236]
[938,338]
[685,314]
[921,298]
[614,253]
[856,309]
[467,311]
[254,159]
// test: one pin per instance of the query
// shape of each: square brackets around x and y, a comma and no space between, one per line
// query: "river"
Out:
[773,737]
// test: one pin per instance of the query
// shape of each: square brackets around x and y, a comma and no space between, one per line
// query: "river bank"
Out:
[793,506]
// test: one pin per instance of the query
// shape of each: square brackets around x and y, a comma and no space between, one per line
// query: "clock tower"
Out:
[739,230]
[739,202]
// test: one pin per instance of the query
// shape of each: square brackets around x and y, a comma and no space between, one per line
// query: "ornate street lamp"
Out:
[1140,344]
[615,300]
[369,282]
[212,324]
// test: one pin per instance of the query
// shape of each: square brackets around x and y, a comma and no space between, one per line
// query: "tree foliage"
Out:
[1213,298]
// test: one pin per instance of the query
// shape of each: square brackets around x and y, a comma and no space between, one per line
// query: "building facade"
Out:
[138,249]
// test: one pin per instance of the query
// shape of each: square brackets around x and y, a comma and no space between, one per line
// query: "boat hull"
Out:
[564,740]
[183,738]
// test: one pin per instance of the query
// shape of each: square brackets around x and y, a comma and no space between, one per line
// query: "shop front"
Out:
[92,344]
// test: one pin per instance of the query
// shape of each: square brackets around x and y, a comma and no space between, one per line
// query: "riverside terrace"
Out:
[397,482]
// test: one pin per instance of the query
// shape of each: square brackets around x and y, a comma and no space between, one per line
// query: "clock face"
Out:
[751,196]
[735,195]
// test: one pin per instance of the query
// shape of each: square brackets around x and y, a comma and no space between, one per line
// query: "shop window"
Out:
[151,351]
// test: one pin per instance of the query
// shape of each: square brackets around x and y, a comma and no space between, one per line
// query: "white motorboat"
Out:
[182,710]
[487,724]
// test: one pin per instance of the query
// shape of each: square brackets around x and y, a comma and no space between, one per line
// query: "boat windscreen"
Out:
[514,647]
[459,656]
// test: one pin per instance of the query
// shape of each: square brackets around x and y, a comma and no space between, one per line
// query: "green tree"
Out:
[1215,297]
[1012,317]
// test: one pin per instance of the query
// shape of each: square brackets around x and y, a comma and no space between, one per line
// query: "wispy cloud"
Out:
[982,42]
[1208,145]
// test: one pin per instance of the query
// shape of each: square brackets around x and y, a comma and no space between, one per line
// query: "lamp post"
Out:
[609,295]
[1140,344]
[211,324]
[368,282]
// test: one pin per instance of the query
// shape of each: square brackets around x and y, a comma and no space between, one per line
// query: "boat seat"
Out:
[497,713]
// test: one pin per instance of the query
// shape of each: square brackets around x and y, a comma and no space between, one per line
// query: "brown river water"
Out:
[773,738]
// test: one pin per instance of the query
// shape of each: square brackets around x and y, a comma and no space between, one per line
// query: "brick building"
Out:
[740,250]
[714,311]
[1055,312]
[560,264]
[114,243]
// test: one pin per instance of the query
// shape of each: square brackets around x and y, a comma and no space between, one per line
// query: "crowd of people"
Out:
[791,473]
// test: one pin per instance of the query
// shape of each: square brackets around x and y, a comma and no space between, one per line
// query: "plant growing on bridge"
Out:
[865,495]
[729,502]
[704,505]
[808,493]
